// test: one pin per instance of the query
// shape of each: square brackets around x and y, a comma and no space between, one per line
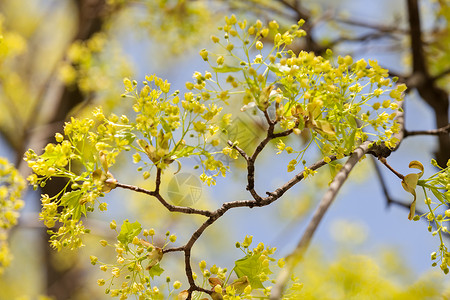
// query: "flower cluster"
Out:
[252,271]
[11,189]
[91,147]
[335,100]
[173,128]
[137,262]
[439,186]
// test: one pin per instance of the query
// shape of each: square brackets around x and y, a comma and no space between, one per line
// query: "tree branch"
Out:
[241,151]
[379,27]
[382,182]
[384,162]
[419,63]
[442,130]
[297,178]
[170,207]
[222,210]
[325,203]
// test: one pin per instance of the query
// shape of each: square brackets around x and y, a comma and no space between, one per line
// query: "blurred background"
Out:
[62,58]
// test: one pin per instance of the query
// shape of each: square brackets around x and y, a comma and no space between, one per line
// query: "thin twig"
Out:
[241,151]
[158,180]
[442,130]
[325,203]
[384,162]
[296,7]
[382,182]
[170,207]
[297,178]
[176,249]
[379,27]
[362,38]
[223,209]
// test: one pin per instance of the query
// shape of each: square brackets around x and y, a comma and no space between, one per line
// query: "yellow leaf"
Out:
[409,182]
[314,109]
[213,281]
[154,256]
[240,284]
[183,295]
[103,161]
[412,209]
[417,165]
[216,296]
[325,127]
[263,102]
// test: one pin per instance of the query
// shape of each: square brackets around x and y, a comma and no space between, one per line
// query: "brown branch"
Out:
[176,249]
[384,162]
[170,207]
[382,182]
[241,151]
[442,130]
[158,180]
[419,63]
[284,133]
[325,203]
[378,27]
[301,13]
[222,210]
[297,178]
[362,38]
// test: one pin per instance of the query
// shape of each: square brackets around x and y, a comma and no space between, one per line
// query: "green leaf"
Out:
[301,123]
[251,267]
[128,231]
[156,270]
[71,200]
[352,121]
[350,140]
[165,125]
[332,168]
[186,151]
[437,194]
[226,69]
[276,70]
